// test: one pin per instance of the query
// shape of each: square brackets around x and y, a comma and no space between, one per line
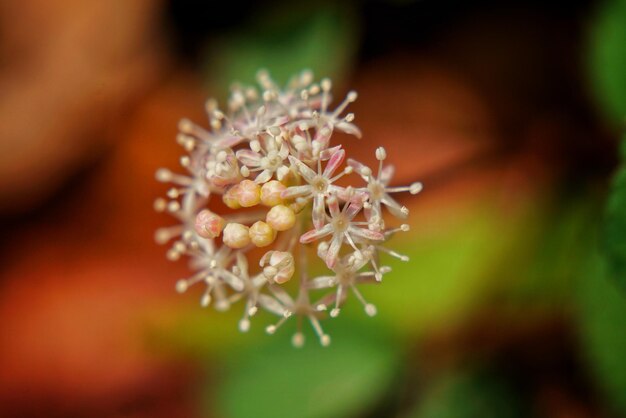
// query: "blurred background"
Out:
[510,113]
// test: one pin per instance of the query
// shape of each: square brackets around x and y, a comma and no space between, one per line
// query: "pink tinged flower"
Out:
[319,184]
[342,227]
[300,307]
[377,247]
[379,191]
[334,118]
[346,278]
[309,147]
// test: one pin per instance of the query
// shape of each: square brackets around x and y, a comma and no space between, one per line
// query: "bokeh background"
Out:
[510,113]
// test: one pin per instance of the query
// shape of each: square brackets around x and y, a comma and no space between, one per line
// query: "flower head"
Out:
[269,158]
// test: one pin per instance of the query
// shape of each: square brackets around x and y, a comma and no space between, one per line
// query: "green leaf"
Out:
[449,271]
[614,229]
[602,317]
[277,380]
[607,57]
[471,394]
[558,252]
[322,39]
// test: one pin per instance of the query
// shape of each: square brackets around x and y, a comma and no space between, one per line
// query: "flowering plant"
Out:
[270,160]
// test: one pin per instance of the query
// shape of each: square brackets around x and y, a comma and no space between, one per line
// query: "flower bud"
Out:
[208,224]
[248,193]
[278,266]
[270,193]
[230,197]
[236,235]
[281,218]
[261,234]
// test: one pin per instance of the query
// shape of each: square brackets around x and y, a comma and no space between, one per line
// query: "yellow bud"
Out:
[281,218]
[248,193]
[230,198]
[270,193]
[261,234]
[236,235]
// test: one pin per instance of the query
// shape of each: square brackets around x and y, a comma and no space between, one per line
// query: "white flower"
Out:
[268,160]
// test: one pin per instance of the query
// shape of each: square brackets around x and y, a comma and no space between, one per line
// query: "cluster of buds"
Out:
[269,159]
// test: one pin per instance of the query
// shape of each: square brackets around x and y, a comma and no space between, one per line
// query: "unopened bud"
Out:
[261,234]
[248,193]
[236,235]
[230,197]
[270,193]
[208,224]
[281,218]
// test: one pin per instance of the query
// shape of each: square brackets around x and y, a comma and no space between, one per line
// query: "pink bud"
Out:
[208,224]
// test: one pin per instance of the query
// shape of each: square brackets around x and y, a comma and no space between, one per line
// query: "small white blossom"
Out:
[379,191]
[347,276]
[267,160]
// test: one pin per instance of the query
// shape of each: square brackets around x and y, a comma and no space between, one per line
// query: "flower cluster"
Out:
[269,159]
